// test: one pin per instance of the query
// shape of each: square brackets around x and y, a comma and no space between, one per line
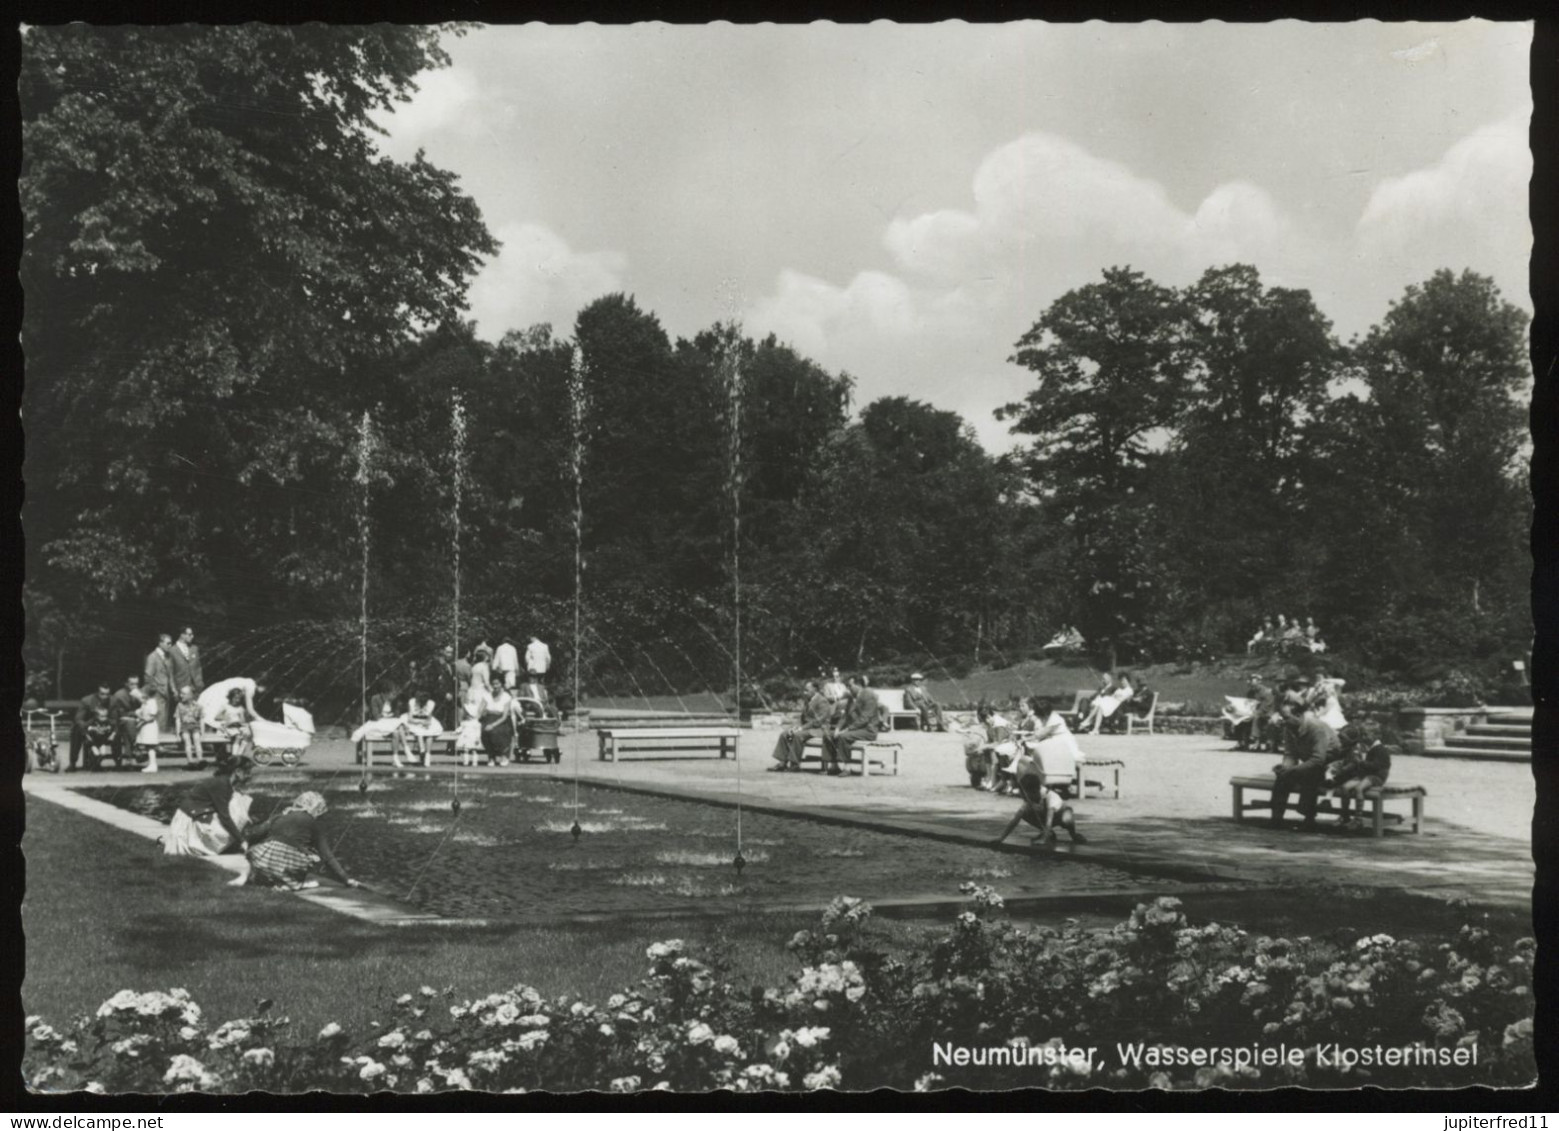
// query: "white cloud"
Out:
[445,100]
[1476,187]
[537,277]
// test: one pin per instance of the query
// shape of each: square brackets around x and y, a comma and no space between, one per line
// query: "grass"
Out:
[105,911]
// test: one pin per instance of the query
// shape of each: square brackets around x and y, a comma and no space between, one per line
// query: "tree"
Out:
[1114,366]
[215,255]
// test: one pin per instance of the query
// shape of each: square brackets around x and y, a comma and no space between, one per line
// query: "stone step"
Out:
[1470,754]
[1500,730]
[1476,742]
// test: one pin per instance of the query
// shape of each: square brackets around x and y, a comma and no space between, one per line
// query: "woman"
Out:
[419,726]
[498,726]
[1048,740]
[214,813]
[292,844]
[984,760]
[1112,693]
[1323,699]
[481,669]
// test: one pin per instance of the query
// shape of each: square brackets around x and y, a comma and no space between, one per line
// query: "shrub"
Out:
[856,1017]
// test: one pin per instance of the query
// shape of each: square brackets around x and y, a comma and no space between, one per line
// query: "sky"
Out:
[901,203]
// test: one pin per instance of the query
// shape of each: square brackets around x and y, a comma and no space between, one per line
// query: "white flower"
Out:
[726,1045]
[189,1033]
[423,1035]
[424,1086]
[94,1087]
[781,1051]
[259,1058]
[699,1033]
[44,1033]
[404,999]
[371,1071]
[823,1078]
[534,1020]
[507,1013]
[457,1077]
[487,1060]
[428,991]
[394,1039]
[329,1031]
[625,1084]
[928,1081]
[532,1040]
[617,1001]
[806,1038]
[124,999]
[606,1030]
[667,949]
[186,1070]
[231,1033]
[132,1046]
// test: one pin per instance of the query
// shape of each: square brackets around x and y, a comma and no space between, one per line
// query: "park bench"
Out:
[1101,766]
[630,740]
[1375,799]
[893,704]
[1128,711]
[368,747]
[867,753]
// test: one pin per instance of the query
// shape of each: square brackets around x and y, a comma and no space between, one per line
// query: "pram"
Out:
[42,741]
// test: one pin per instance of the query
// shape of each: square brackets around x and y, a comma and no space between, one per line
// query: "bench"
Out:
[629,740]
[893,704]
[1081,701]
[1375,798]
[884,754]
[1102,765]
[368,747]
[1133,719]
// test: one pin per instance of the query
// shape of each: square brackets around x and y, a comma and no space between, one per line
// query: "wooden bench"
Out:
[893,703]
[884,754]
[1375,798]
[630,740]
[1103,766]
[368,747]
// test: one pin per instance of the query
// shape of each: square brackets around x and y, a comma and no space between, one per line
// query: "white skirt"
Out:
[189,837]
[373,728]
[422,728]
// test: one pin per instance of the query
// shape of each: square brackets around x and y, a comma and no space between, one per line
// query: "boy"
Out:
[100,739]
[1042,806]
[1366,766]
[188,717]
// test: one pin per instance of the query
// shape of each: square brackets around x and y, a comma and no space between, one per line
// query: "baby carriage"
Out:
[42,753]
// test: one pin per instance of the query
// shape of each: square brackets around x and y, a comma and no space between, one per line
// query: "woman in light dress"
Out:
[419,726]
[1113,692]
[214,814]
[1048,740]
[1324,701]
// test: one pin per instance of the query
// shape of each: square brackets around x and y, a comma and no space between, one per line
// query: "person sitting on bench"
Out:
[1042,808]
[1311,744]
[1114,691]
[858,723]
[1366,765]
[918,699]
[819,709]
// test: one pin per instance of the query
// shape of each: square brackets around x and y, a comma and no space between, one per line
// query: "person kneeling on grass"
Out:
[1043,807]
[290,847]
[214,813]
[1366,767]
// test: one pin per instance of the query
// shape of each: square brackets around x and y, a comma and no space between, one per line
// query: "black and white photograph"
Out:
[776,558]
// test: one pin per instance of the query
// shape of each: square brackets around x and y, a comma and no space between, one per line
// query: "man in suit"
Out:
[447,686]
[122,707]
[184,659]
[815,714]
[86,713]
[157,675]
[1311,745]
[858,723]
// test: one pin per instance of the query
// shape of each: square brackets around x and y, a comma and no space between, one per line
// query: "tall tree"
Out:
[214,254]
[1113,361]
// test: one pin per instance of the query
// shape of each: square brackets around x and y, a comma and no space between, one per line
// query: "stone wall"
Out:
[1425,728]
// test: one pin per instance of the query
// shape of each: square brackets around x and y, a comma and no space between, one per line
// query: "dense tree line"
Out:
[223,276]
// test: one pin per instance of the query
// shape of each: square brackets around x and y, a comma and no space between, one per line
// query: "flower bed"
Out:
[854,1017]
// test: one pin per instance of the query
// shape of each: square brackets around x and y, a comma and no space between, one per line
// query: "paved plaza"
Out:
[1171,820]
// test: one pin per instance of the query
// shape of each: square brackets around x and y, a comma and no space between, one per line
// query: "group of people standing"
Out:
[129,724]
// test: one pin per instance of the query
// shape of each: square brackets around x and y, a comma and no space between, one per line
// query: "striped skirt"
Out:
[278,863]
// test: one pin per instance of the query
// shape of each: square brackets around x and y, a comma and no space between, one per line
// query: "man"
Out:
[184,659]
[506,664]
[447,686]
[538,658]
[86,714]
[815,714]
[121,712]
[1311,744]
[858,723]
[918,699]
[157,675]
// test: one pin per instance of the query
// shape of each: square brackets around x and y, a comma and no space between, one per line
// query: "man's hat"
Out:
[916,676]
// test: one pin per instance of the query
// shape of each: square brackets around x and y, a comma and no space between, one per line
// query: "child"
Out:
[1042,806]
[284,848]
[147,733]
[100,739]
[419,725]
[984,760]
[468,740]
[1367,766]
[232,719]
[188,717]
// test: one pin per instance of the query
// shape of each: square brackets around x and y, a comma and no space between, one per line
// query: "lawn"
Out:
[104,911]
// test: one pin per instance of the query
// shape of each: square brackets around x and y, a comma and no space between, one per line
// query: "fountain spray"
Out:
[576,406]
[458,454]
[731,362]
